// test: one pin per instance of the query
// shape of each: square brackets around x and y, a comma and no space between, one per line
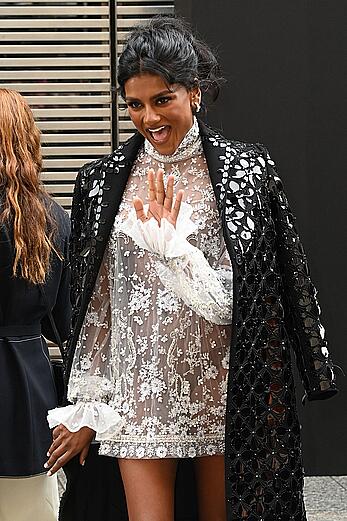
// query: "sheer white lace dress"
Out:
[151,365]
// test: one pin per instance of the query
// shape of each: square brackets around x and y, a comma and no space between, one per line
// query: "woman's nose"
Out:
[151,117]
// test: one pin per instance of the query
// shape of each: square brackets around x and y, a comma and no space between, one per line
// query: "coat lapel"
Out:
[106,194]
[115,174]
[236,173]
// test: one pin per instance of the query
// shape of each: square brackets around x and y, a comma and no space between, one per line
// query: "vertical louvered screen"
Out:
[57,54]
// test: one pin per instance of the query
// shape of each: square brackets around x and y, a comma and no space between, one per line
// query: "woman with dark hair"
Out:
[190,285]
[34,273]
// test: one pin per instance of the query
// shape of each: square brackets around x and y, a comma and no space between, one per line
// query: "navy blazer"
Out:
[23,310]
[27,387]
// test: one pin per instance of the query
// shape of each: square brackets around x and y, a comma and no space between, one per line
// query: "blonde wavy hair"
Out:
[25,204]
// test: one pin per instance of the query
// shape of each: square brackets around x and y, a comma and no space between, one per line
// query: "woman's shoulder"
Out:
[217,139]
[125,152]
[241,158]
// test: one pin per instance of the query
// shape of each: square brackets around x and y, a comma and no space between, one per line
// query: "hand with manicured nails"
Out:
[160,200]
[66,445]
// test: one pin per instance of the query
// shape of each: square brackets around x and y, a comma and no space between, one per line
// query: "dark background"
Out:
[284,62]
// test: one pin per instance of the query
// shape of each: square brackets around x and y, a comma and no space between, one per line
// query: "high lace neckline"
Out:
[190,145]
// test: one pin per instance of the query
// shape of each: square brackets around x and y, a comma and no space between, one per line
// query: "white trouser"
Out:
[29,499]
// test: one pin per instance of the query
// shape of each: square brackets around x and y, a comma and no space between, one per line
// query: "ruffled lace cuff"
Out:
[165,240]
[99,416]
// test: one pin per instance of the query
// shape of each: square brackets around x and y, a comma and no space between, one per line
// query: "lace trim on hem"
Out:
[98,416]
[152,449]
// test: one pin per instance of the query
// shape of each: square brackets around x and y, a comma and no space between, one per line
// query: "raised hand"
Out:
[160,200]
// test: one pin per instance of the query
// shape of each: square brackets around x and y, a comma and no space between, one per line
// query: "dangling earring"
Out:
[197,106]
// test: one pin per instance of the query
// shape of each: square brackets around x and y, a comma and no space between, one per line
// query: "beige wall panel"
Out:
[74,125]
[52,36]
[70,164]
[76,138]
[58,88]
[68,100]
[56,53]
[66,151]
[56,11]
[42,23]
[80,74]
[49,177]
[53,48]
[55,62]
[80,112]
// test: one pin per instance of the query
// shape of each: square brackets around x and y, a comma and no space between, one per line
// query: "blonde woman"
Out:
[34,275]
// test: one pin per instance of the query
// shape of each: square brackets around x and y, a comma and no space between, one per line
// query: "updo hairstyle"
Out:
[167,47]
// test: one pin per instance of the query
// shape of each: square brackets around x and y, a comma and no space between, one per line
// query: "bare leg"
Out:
[149,488]
[210,485]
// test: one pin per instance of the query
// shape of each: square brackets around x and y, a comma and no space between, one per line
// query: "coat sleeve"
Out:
[79,227]
[76,260]
[80,230]
[82,220]
[302,311]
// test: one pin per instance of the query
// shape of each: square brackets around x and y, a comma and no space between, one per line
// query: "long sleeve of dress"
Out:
[91,380]
[183,268]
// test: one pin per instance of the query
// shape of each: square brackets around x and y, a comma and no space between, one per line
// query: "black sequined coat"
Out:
[275,313]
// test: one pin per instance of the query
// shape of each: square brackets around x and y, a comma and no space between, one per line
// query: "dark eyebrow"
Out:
[156,96]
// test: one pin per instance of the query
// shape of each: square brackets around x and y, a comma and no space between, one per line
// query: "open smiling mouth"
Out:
[160,134]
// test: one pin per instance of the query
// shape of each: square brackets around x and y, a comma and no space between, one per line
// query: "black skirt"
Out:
[27,391]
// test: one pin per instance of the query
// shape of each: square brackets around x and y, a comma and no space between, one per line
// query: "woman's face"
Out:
[162,113]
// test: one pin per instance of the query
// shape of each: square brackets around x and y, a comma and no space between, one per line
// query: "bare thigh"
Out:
[149,488]
[210,484]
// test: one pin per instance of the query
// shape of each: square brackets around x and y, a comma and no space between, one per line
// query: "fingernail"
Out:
[83,462]
[48,454]
[49,473]
[46,465]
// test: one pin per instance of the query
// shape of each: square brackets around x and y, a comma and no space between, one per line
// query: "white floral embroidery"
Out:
[143,351]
